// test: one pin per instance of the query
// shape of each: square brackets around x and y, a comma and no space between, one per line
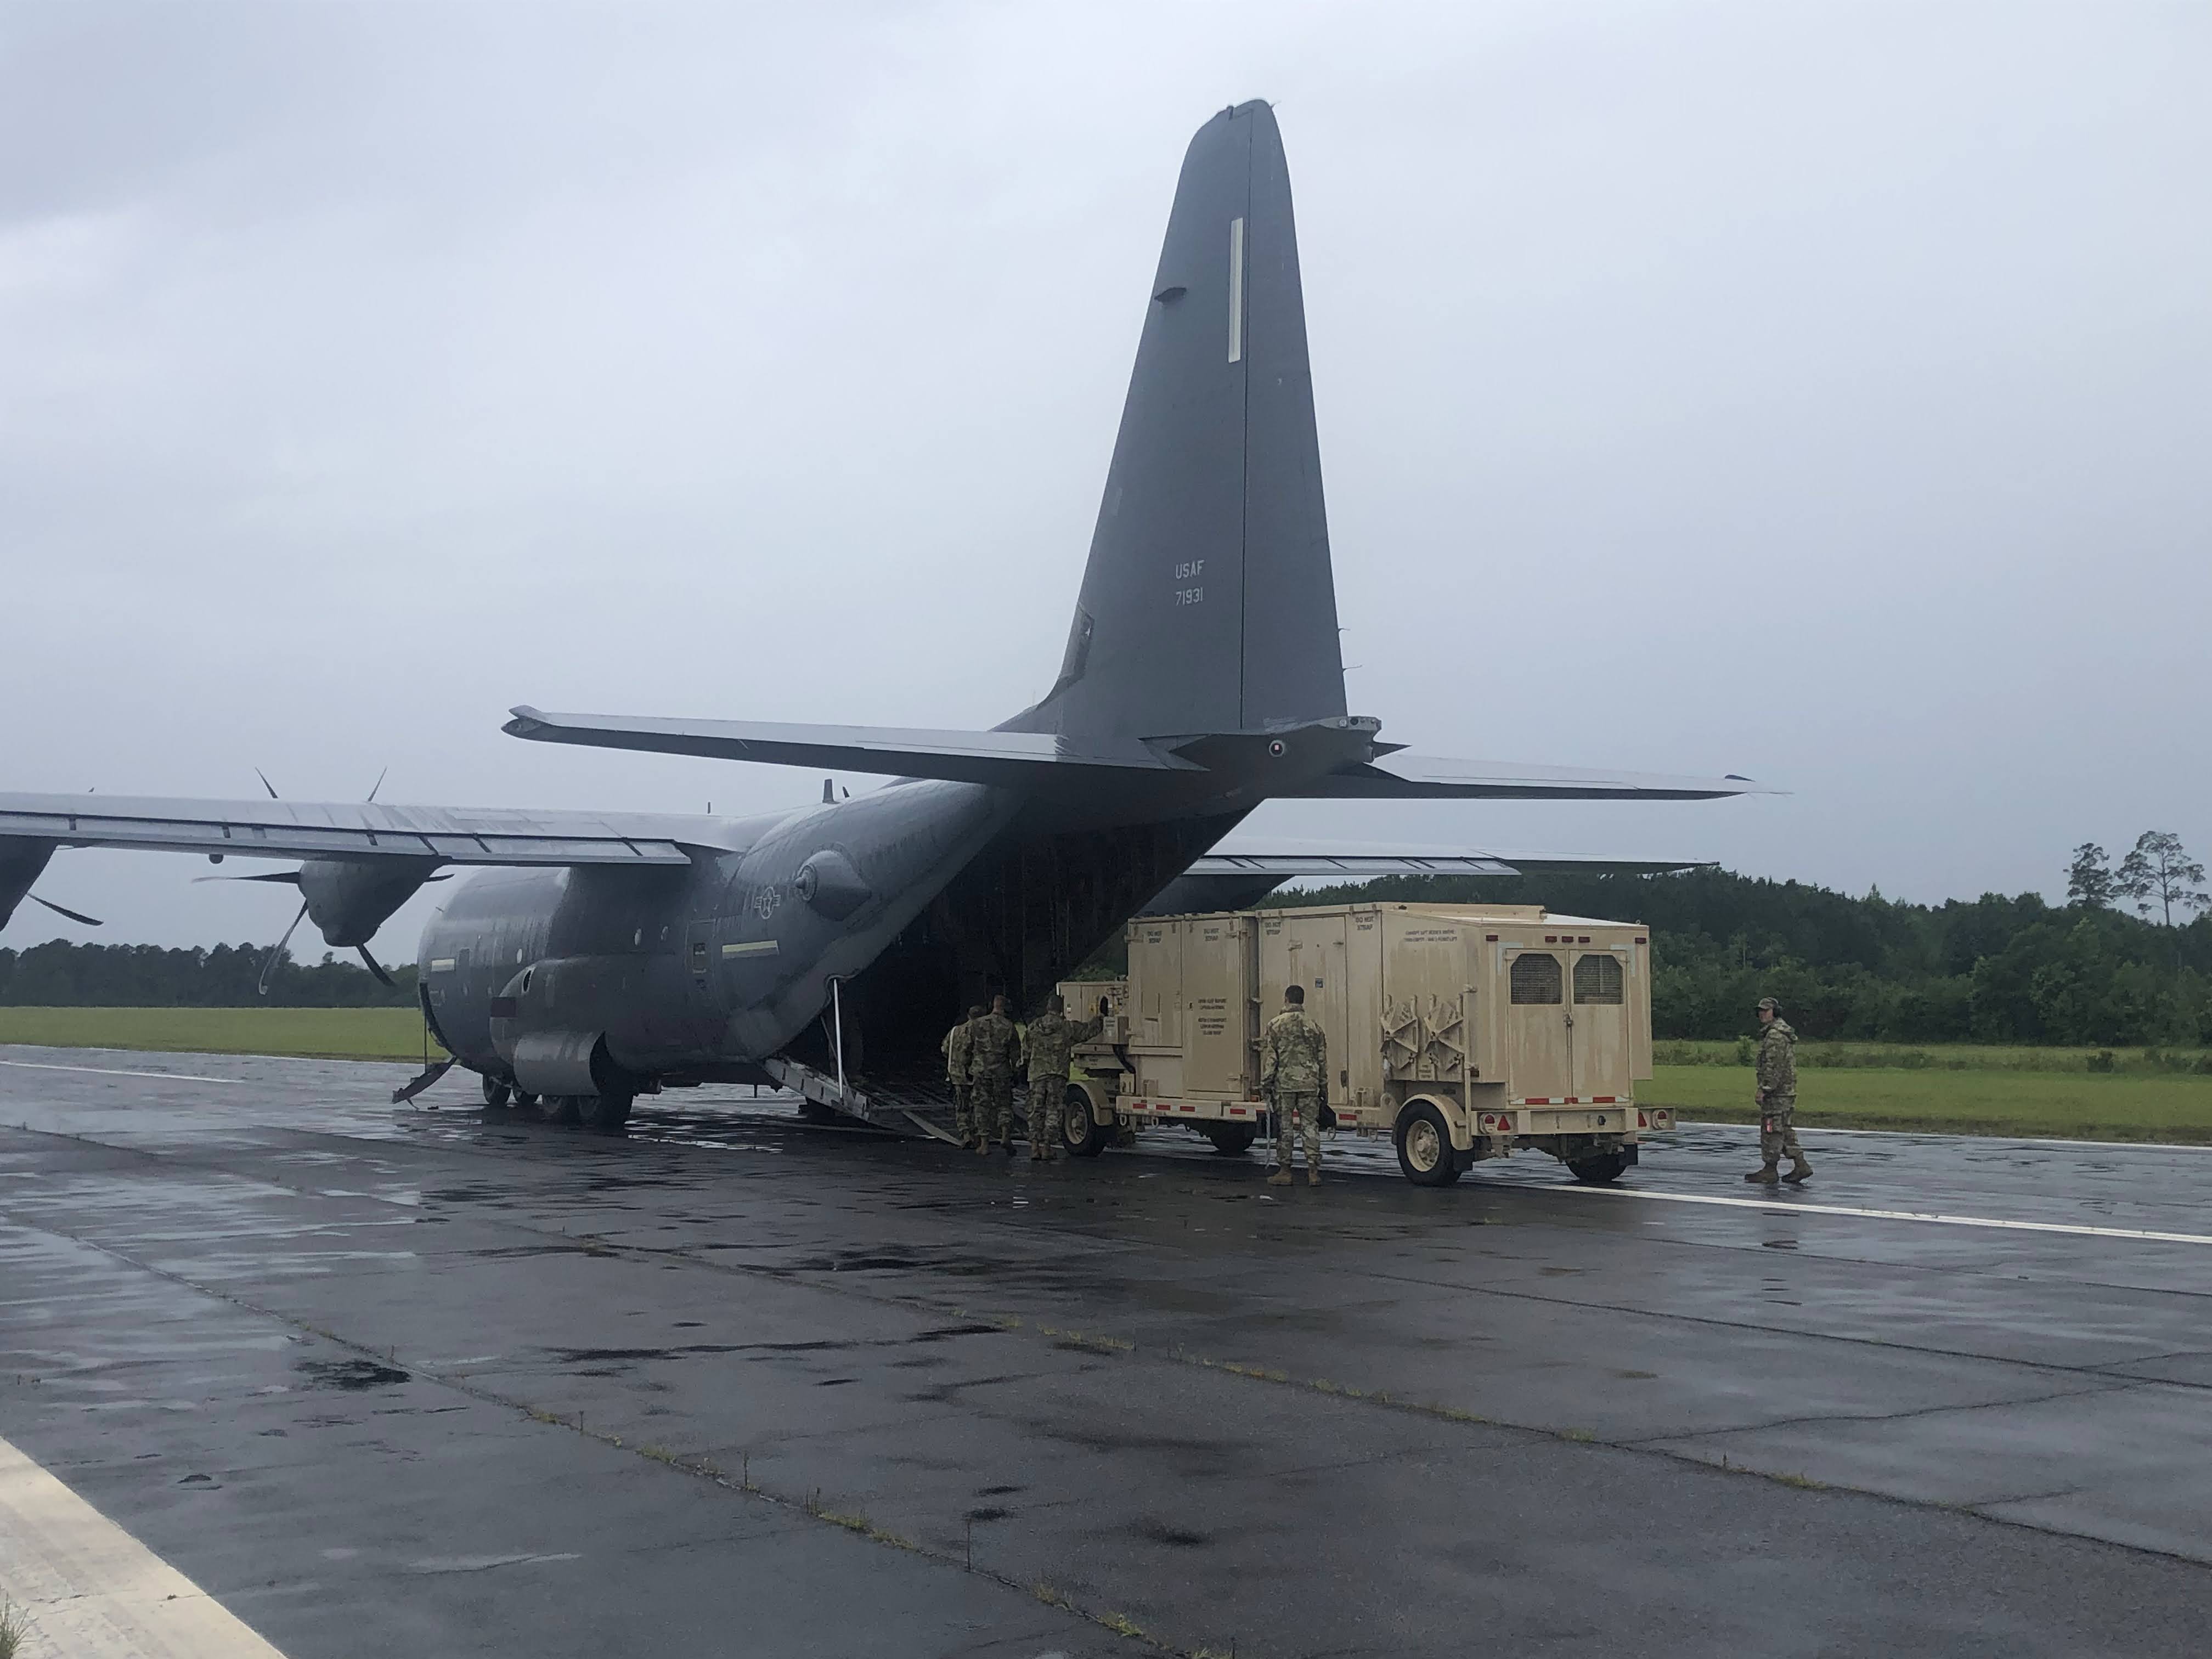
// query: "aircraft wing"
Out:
[1401,776]
[1364,860]
[1016,758]
[290,829]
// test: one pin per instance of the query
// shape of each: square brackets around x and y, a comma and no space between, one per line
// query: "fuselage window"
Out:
[1597,979]
[1535,978]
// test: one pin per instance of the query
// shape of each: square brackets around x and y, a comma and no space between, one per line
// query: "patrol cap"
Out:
[1769,1002]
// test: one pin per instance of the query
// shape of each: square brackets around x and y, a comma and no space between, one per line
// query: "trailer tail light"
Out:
[1642,1122]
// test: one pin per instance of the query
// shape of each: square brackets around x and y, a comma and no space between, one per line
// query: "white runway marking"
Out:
[1953,1136]
[110,1071]
[92,1591]
[1775,1206]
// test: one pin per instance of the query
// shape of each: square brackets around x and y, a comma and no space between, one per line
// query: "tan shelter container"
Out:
[1462,1032]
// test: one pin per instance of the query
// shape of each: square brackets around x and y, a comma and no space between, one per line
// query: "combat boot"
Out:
[1280,1178]
[1763,1175]
[982,1149]
[1800,1173]
[1313,1177]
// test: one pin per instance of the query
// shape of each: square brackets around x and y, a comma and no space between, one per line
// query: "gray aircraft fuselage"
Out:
[920,898]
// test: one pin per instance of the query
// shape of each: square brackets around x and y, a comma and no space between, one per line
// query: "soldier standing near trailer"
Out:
[994,1048]
[957,1041]
[1777,1099]
[1048,1046]
[1293,1060]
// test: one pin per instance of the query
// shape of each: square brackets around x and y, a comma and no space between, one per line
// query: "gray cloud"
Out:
[1812,392]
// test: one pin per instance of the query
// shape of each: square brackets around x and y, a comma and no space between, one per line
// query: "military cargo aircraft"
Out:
[600,955]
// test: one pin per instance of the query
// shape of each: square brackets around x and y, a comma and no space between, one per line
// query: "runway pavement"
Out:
[382,1381]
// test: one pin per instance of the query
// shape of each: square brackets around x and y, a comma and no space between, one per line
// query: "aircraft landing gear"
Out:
[606,1112]
[496,1093]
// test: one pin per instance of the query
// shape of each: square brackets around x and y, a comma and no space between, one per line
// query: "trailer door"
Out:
[1537,1052]
[1599,1031]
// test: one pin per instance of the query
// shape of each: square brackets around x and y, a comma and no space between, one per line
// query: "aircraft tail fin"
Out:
[1208,604]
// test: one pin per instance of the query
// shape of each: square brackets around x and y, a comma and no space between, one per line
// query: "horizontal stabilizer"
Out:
[1019,759]
[1401,776]
[309,829]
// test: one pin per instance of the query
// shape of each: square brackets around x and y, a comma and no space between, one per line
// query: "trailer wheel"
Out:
[1424,1148]
[1083,1134]
[1598,1170]
[496,1093]
[1230,1139]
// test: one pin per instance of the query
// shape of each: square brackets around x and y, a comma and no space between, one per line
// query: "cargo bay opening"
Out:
[1462,1032]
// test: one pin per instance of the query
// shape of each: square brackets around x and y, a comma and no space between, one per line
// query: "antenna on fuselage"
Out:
[828,793]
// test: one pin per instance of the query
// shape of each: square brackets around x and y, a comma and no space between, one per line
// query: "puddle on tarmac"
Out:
[351,1374]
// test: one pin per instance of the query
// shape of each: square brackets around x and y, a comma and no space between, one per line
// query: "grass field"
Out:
[322,1033]
[1949,1057]
[2072,1106]
[1957,1091]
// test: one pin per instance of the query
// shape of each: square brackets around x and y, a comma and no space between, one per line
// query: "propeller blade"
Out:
[378,784]
[376,967]
[265,784]
[261,985]
[63,911]
[291,878]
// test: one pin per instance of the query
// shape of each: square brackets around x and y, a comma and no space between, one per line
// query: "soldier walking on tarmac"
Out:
[958,1041]
[1777,1099]
[1048,1046]
[1293,1062]
[994,1048]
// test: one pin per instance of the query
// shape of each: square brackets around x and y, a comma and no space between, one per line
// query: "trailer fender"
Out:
[1099,1096]
[1453,1112]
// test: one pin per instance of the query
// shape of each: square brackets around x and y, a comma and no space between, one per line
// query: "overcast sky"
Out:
[1819,393]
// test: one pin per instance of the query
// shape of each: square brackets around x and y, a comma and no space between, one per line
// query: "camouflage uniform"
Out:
[1777,1097]
[994,1046]
[1294,1059]
[1048,1047]
[957,1045]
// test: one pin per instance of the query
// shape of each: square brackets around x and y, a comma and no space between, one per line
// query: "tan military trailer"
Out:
[1461,1032]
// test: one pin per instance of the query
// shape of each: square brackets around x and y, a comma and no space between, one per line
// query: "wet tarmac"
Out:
[385,1380]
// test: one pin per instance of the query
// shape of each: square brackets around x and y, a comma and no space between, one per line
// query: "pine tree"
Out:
[2089,877]
[2159,872]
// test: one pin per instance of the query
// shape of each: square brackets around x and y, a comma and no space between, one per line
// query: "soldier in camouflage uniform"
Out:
[1293,1064]
[955,1045]
[1777,1099]
[1048,1047]
[994,1048]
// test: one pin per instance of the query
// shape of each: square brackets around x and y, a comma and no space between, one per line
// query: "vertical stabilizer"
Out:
[1208,603]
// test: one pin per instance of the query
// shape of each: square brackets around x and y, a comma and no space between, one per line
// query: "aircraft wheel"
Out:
[1599,1170]
[563,1108]
[1231,1140]
[527,1104]
[1083,1136]
[606,1112]
[1424,1148]
[496,1093]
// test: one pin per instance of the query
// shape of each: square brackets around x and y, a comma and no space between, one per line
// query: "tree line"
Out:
[60,974]
[1993,970]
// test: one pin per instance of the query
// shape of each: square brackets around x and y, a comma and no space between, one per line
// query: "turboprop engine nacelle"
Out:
[21,863]
[349,899]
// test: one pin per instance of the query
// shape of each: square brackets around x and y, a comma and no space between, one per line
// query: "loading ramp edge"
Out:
[825,1090]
